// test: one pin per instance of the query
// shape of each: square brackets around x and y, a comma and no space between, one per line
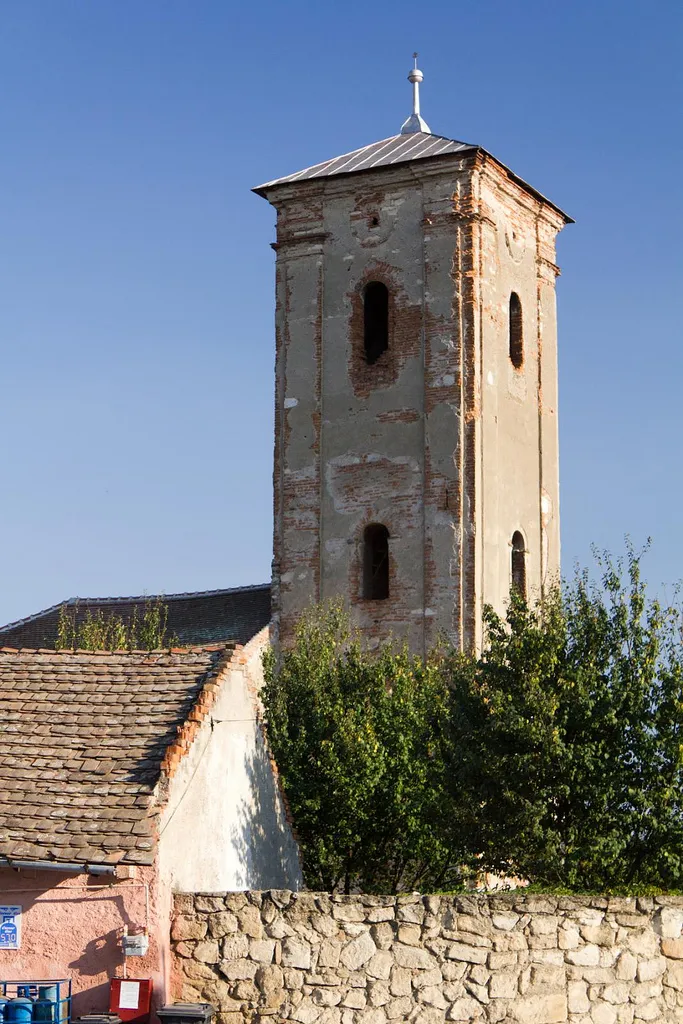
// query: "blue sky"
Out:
[136,319]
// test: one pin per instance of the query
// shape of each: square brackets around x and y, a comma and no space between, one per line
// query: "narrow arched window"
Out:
[516,332]
[375,562]
[375,320]
[518,565]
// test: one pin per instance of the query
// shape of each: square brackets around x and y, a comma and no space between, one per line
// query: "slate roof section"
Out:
[194,618]
[83,739]
[397,149]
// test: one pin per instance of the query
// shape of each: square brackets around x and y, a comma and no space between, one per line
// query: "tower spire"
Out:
[415,123]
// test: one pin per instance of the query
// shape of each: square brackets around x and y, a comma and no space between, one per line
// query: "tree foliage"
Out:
[567,737]
[359,742]
[556,755]
[112,632]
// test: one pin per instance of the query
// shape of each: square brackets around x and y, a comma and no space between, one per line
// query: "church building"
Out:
[416,439]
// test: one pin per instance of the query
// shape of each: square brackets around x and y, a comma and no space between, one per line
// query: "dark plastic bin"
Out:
[186,1013]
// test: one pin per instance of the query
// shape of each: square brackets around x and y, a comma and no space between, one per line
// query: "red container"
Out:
[131,999]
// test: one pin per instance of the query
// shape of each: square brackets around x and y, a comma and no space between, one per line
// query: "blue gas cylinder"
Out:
[19,1011]
[3,1002]
[43,1009]
[47,994]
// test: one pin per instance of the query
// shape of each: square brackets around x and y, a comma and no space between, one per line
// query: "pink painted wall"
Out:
[71,926]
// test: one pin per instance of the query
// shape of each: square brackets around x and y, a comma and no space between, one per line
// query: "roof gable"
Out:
[84,736]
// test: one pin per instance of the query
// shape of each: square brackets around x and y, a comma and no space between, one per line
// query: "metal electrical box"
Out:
[135,945]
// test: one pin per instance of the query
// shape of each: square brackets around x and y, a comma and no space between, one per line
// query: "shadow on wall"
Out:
[262,837]
[105,949]
[91,1000]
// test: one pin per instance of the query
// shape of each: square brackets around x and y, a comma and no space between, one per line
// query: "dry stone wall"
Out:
[319,959]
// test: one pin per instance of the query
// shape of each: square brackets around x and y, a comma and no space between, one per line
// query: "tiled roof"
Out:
[206,617]
[83,737]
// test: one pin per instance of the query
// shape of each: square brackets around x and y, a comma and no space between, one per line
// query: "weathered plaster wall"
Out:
[224,823]
[72,927]
[441,440]
[519,454]
[502,959]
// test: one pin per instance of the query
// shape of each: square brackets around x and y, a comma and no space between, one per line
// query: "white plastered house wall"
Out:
[224,826]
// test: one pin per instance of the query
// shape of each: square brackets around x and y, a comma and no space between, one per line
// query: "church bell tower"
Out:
[416,444]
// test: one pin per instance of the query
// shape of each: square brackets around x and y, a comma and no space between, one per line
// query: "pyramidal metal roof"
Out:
[397,149]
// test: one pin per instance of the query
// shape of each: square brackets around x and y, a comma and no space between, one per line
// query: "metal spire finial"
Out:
[415,123]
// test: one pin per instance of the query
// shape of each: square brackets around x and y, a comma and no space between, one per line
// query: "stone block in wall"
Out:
[411,913]
[296,954]
[669,922]
[234,947]
[238,970]
[503,985]
[401,982]
[398,1008]
[550,1009]
[250,922]
[358,951]
[205,904]
[262,950]
[380,965]
[187,926]
[468,954]
[416,959]
[382,934]
[410,934]
[466,1009]
[673,948]
[425,979]
[206,951]
[222,923]
[324,924]
[381,914]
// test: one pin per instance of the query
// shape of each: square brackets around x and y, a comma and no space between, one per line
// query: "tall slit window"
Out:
[516,332]
[375,320]
[376,562]
[518,565]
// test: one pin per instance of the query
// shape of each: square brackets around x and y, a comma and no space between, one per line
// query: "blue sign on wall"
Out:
[10,927]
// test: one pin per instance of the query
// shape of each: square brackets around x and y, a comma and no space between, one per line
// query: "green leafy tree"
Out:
[359,742]
[566,737]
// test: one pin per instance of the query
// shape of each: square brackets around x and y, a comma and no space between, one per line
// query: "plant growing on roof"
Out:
[112,632]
